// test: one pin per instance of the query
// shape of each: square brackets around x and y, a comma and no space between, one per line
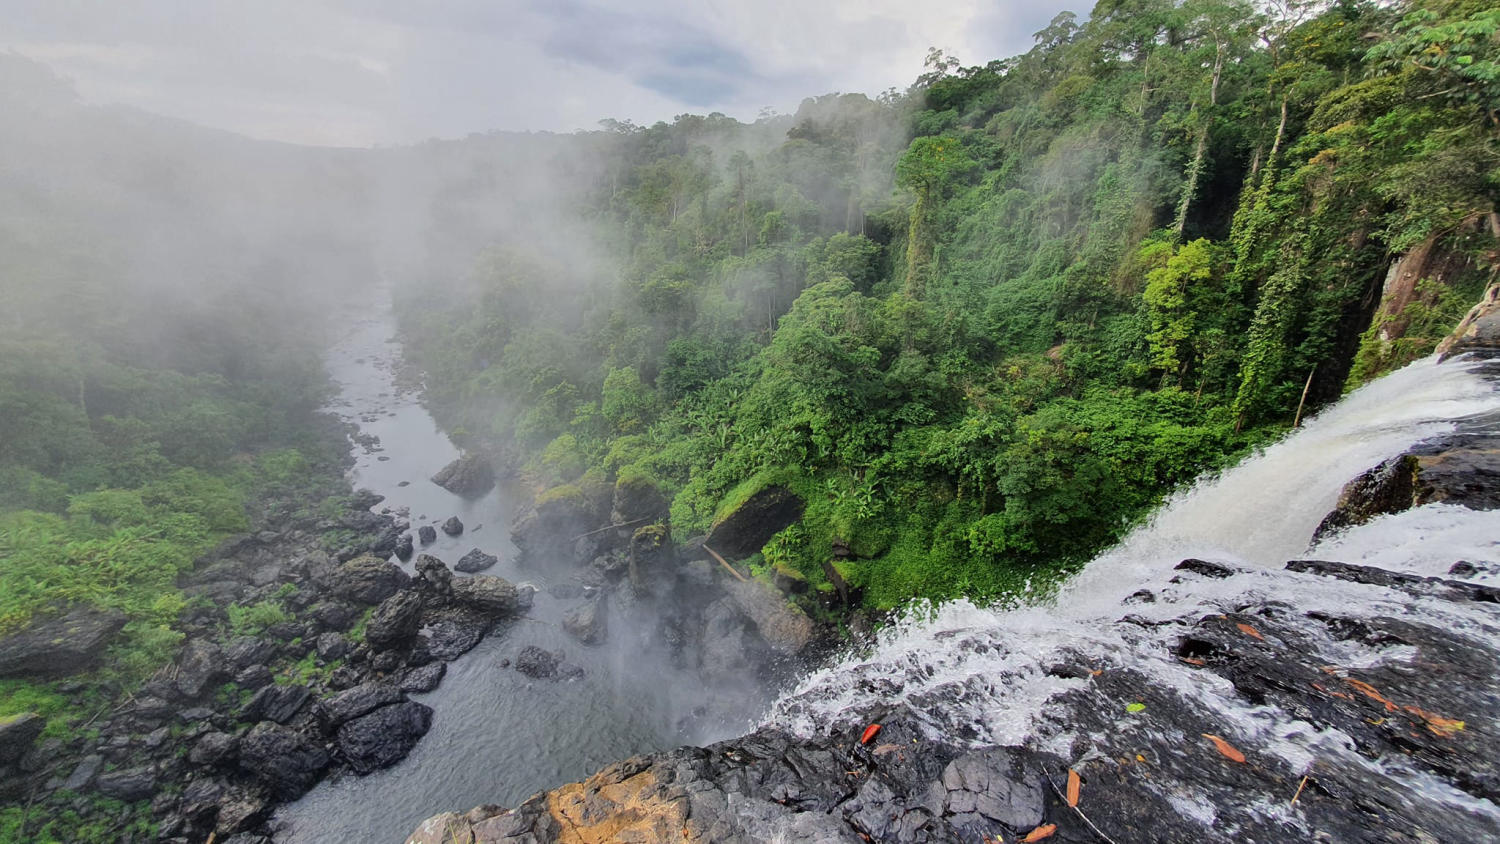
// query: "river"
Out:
[497,736]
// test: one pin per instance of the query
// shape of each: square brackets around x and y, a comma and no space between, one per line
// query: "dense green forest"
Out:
[984,325]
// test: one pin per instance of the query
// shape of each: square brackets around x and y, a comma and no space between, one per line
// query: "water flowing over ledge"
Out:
[1224,699]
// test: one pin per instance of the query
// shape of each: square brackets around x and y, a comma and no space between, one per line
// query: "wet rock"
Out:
[360,700]
[1387,488]
[333,615]
[537,663]
[585,622]
[199,665]
[240,810]
[1478,331]
[488,595]
[332,646]
[742,531]
[246,651]
[651,558]
[475,560]
[59,646]
[343,677]
[784,627]
[83,773]
[128,785]
[364,499]
[427,534]
[403,549]
[214,749]
[276,703]
[1204,568]
[254,677]
[283,760]
[424,679]
[17,733]
[553,526]
[453,527]
[1437,587]
[471,475]
[383,737]
[395,621]
[450,634]
[369,580]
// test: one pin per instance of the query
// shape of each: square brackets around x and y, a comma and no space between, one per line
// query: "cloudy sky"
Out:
[363,72]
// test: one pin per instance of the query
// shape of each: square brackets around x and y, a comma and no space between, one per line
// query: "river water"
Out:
[497,736]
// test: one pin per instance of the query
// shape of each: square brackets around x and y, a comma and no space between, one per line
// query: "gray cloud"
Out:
[358,72]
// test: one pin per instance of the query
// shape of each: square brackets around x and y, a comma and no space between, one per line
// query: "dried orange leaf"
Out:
[1224,747]
[1075,784]
[1043,831]
[1250,631]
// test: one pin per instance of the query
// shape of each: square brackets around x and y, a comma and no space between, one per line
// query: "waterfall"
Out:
[981,674]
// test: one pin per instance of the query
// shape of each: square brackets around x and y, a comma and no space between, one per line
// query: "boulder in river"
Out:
[453,527]
[360,700]
[383,737]
[403,549]
[427,534]
[282,759]
[369,579]
[749,525]
[486,594]
[59,646]
[470,475]
[475,560]
[538,663]
[585,622]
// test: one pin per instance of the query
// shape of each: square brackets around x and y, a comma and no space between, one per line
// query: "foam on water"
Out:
[980,674]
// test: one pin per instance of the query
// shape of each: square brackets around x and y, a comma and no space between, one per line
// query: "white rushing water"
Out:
[981,673]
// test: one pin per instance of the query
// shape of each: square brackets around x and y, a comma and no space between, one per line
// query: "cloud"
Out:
[359,72]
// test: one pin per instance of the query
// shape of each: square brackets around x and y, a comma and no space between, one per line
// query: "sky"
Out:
[382,72]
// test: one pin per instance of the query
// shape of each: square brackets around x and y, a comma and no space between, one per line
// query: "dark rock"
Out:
[59,646]
[333,615]
[636,498]
[746,528]
[200,665]
[788,580]
[488,595]
[1205,568]
[364,499]
[83,773]
[395,621]
[150,711]
[453,633]
[403,549]
[784,627]
[475,560]
[17,733]
[128,785]
[586,623]
[286,632]
[537,663]
[453,527]
[214,749]
[651,558]
[332,646]
[1387,488]
[427,534]
[195,714]
[1479,331]
[360,700]
[246,651]
[343,677]
[240,810]
[565,591]
[283,760]
[383,737]
[385,662]
[1452,590]
[254,677]
[424,679]
[369,580]
[276,703]
[433,579]
[552,528]
[471,475]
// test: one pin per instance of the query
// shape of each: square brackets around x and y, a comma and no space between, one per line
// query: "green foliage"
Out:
[982,327]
